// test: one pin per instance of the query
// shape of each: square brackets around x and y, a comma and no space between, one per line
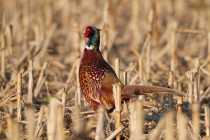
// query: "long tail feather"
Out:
[141,90]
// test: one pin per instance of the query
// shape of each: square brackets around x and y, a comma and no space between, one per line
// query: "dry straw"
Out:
[117,131]
[196,82]
[60,123]
[41,79]
[134,24]
[30,82]
[2,44]
[39,125]
[71,73]
[55,120]
[141,69]
[181,126]
[196,120]
[105,36]
[169,126]
[170,85]
[208,58]
[77,121]
[30,114]
[78,91]
[125,78]
[3,49]
[100,125]
[173,46]
[148,60]
[19,94]
[179,100]
[190,87]
[13,132]
[64,97]
[136,120]
[117,98]
[207,120]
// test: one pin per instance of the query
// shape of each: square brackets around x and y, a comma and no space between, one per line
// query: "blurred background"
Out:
[127,28]
[46,37]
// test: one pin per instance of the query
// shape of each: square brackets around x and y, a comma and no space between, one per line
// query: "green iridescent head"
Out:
[93,36]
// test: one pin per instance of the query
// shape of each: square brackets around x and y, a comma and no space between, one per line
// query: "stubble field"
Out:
[163,43]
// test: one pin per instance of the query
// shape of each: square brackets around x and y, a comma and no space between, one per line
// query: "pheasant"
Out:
[97,77]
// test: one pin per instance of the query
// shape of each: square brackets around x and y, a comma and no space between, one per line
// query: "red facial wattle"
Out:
[87,32]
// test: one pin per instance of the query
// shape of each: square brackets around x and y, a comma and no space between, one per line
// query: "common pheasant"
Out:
[97,77]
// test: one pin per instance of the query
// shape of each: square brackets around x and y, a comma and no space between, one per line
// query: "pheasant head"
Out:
[93,36]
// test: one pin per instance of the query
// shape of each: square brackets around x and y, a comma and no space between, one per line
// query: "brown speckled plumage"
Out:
[97,77]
